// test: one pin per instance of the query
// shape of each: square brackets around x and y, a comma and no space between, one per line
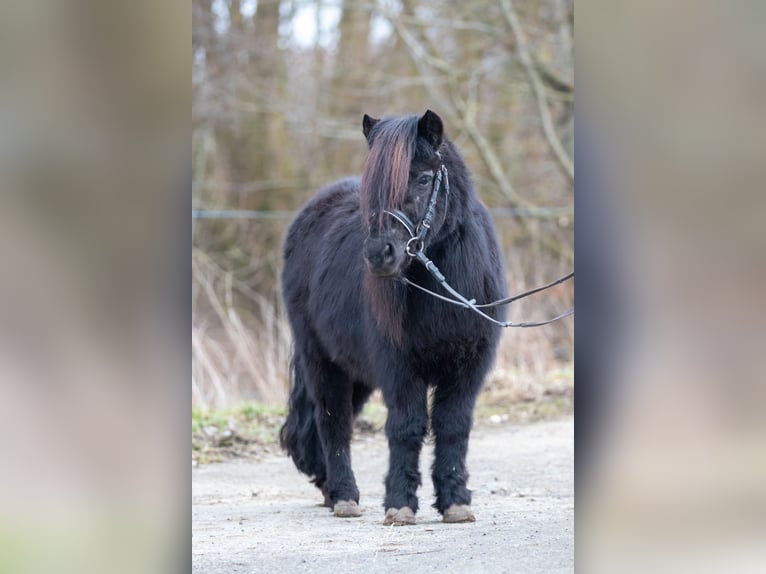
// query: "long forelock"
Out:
[387,169]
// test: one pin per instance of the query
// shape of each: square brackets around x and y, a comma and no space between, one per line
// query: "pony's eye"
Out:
[424,179]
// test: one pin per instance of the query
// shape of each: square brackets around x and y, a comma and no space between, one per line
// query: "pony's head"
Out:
[399,178]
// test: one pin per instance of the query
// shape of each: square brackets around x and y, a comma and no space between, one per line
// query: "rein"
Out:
[416,244]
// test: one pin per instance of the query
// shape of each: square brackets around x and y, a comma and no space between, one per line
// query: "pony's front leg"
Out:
[406,427]
[451,421]
[334,418]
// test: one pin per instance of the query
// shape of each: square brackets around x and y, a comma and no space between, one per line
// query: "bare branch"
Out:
[551,78]
[467,113]
[418,52]
[537,87]
[460,113]
[450,25]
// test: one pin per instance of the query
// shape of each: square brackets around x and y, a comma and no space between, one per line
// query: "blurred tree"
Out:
[347,91]
[254,140]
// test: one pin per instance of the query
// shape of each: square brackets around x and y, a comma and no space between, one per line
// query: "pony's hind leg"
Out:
[406,427]
[299,435]
[334,419]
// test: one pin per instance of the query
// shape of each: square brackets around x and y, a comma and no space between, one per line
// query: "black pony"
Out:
[358,326]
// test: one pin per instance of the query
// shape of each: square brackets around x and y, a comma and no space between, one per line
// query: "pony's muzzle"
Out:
[384,257]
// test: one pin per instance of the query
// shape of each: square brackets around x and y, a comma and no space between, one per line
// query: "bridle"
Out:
[418,233]
[415,248]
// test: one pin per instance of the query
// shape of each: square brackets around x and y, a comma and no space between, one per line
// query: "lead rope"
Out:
[471,304]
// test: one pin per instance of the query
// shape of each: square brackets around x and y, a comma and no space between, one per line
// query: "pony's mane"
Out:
[387,169]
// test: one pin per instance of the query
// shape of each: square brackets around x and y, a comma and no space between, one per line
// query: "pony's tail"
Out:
[299,435]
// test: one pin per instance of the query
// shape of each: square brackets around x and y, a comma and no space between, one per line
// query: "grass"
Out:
[521,397]
[251,429]
[247,429]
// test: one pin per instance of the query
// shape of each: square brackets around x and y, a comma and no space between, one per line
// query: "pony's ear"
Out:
[431,128]
[367,124]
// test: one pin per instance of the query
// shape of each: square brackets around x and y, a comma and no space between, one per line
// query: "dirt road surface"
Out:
[261,515]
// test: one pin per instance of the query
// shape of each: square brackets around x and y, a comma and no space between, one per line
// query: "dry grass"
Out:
[530,361]
[241,340]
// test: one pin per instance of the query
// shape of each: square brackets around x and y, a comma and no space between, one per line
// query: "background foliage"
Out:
[279,89]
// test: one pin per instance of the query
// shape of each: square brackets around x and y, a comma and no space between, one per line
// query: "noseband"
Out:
[418,232]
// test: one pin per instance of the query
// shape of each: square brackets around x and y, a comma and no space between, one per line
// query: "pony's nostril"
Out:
[382,255]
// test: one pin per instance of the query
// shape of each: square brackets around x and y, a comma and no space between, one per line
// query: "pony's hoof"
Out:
[346,509]
[459,513]
[399,516]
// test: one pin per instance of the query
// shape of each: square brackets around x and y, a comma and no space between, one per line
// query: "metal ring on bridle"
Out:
[414,246]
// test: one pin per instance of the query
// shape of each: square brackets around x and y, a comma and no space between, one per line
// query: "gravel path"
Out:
[261,515]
